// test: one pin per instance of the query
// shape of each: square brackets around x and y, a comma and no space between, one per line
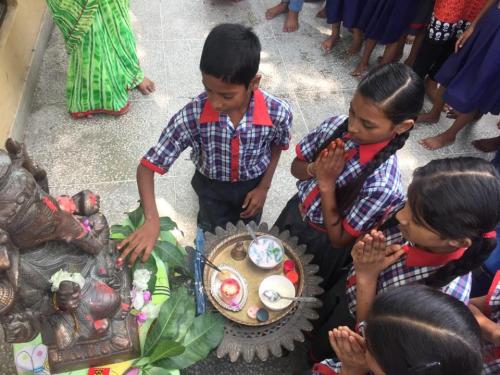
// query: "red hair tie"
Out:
[492,234]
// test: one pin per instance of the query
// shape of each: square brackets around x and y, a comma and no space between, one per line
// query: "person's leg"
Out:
[365,59]
[487,145]
[426,57]
[329,42]
[276,10]
[392,52]
[417,43]
[357,42]
[292,18]
[434,114]
[448,137]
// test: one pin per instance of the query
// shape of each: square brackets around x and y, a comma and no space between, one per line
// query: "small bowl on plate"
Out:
[266,252]
[280,284]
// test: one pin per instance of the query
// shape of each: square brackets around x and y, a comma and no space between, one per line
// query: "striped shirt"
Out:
[220,150]
[381,195]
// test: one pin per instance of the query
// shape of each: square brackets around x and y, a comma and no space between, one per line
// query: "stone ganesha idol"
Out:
[57,271]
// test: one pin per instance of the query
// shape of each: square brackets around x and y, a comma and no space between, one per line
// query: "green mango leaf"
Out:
[120,230]
[136,217]
[166,349]
[203,336]
[175,317]
[167,223]
[143,361]
[151,370]
[172,255]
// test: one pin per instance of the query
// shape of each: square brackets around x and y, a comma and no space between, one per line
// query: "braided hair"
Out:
[457,198]
[399,93]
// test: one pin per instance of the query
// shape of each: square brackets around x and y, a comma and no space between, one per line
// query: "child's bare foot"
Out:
[291,22]
[439,141]
[321,13]
[146,87]
[360,70]
[276,10]
[430,118]
[329,42]
[396,59]
[487,145]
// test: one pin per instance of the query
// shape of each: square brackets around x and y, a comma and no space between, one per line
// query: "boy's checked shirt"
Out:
[221,151]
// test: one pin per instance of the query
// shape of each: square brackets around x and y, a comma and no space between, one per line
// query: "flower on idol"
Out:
[141,317]
[61,276]
[141,279]
[137,299]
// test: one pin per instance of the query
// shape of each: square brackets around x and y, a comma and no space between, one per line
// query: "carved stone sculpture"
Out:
[83,325]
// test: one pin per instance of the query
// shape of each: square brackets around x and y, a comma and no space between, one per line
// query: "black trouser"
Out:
[431,57]
[331,261]
[333,313]
[220,202]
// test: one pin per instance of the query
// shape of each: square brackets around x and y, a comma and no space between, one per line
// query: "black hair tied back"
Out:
[399,92]
[458,198]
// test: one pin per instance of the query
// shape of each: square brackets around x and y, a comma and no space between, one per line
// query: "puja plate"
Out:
[220,254]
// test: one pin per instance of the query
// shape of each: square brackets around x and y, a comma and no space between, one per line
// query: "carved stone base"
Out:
[94,353]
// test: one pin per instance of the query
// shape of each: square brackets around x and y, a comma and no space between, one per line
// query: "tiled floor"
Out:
[102,153]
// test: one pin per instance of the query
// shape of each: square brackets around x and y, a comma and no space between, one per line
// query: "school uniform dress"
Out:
[414,266]
[449,20]
[492,357]
[387,20]
[472,76]
[381,195]
[346,11]
[230,159]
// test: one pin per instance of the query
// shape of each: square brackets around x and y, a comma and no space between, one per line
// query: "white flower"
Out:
[141,279]
[151,310]
[61,276]
[138,300]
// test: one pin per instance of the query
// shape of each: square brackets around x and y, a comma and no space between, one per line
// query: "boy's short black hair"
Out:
[231,53]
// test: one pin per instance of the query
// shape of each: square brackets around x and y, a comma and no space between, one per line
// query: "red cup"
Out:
[288,265]
[293,277]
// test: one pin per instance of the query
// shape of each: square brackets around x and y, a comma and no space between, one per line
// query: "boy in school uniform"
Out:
[236,132]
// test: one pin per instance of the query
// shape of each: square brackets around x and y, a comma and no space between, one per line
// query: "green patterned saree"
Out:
[103,63]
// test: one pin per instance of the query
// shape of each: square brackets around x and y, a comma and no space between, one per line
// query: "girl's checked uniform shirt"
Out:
[415,265]
[380,197]
[492,360]
[220,150]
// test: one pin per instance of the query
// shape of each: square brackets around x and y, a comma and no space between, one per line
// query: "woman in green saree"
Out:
[103,64]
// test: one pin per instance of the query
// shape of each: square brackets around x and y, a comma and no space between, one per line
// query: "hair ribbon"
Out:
[492,234]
